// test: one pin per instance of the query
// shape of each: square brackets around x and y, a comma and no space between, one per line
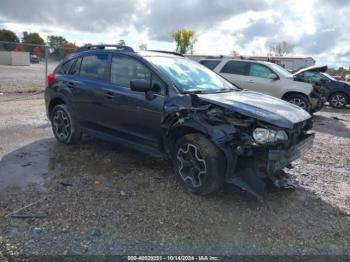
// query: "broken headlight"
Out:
[264,135]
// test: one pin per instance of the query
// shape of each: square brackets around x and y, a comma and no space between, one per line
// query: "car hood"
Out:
[322,68]
[259,106]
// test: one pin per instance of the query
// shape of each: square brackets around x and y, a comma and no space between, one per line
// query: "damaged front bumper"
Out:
[279,159]
[253,171]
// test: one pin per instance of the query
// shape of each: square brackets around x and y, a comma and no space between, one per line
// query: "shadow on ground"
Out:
[333,125]
[116,201]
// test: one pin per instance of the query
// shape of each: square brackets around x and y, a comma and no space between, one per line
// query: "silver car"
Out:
[268,78]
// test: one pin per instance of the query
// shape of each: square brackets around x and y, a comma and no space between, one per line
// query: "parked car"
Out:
[34,59]
[338,77]
[169,106]
[267,78]
[347,78]
[338,92]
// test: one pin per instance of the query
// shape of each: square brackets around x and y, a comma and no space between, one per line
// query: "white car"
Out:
[268,78]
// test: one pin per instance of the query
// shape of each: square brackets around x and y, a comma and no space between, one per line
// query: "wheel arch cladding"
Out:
[54,102]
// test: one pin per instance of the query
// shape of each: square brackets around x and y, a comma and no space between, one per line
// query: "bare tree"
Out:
[234,53]
[143,46]
[281,48]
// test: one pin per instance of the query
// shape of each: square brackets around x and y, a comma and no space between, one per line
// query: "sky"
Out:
[317,28]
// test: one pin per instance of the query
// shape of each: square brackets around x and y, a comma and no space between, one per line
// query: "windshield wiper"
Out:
[193,91]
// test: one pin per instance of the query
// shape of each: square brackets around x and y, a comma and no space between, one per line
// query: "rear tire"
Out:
[64,127]
[299,100]
[338,100]
[199,164]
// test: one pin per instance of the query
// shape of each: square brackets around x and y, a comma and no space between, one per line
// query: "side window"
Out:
[64,68]
[211,64]
[76,67]
[236,67]
[94,66]
[312,76]
[158,85]
[125,69]
[300,76]
[259,70]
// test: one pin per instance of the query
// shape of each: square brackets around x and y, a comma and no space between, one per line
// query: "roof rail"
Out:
[103,47]
[166,52]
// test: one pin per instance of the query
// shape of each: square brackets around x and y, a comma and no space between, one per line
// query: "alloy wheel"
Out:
[192,168]
[298,102]
[61,124]
[338,101]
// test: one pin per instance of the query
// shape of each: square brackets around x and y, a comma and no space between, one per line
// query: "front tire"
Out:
[299,100]
[199,164]
[64,127]
[338,100]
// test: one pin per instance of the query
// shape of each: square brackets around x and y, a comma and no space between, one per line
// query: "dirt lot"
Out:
[14,79]
[105,199]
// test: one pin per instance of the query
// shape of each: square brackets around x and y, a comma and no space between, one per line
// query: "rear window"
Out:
[76,67]
[236,67]
[94,66]
[211,64]
[64,68]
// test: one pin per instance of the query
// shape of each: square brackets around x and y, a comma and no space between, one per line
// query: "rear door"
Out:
[236,72]
[133,115]
[88,77]
[258,80]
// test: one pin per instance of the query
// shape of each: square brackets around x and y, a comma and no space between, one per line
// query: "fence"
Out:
[24,67]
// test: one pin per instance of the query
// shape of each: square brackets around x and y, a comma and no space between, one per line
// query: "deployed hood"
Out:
[322,68]
[259,106]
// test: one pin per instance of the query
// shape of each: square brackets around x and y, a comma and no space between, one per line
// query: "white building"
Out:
[288,62]
[14,58]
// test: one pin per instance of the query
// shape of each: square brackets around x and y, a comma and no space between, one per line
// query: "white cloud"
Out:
[316,27]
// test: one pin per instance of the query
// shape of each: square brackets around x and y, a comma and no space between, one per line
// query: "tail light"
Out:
[50,78]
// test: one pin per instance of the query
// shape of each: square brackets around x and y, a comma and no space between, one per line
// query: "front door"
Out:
[133,115]
[259,81]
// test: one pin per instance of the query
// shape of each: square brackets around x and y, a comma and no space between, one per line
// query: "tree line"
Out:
[184,39]
[32,42]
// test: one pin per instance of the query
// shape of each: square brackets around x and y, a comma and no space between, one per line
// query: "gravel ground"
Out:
[15,79]
[99,198]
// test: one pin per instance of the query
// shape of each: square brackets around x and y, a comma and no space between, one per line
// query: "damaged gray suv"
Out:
[166,105]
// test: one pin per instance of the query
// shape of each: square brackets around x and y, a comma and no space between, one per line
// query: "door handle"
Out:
[250,81]
[109,95]
[71,84]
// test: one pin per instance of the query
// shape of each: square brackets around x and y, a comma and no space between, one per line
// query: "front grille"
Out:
[298,132]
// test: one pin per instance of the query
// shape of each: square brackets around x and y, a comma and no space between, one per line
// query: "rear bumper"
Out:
[279,159]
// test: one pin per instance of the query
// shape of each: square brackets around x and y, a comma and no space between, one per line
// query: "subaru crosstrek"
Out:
[169,106]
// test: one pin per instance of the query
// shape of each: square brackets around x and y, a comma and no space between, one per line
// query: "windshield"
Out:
[329,77]
[189,76]
[280,70]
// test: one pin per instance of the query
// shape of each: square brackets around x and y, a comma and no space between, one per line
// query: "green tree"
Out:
[121,42]
[9,36]
[56,41]
[67,48]
[184,39]
[32,38]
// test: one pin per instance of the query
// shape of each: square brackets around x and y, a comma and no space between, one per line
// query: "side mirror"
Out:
[140,85]
[272,76]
